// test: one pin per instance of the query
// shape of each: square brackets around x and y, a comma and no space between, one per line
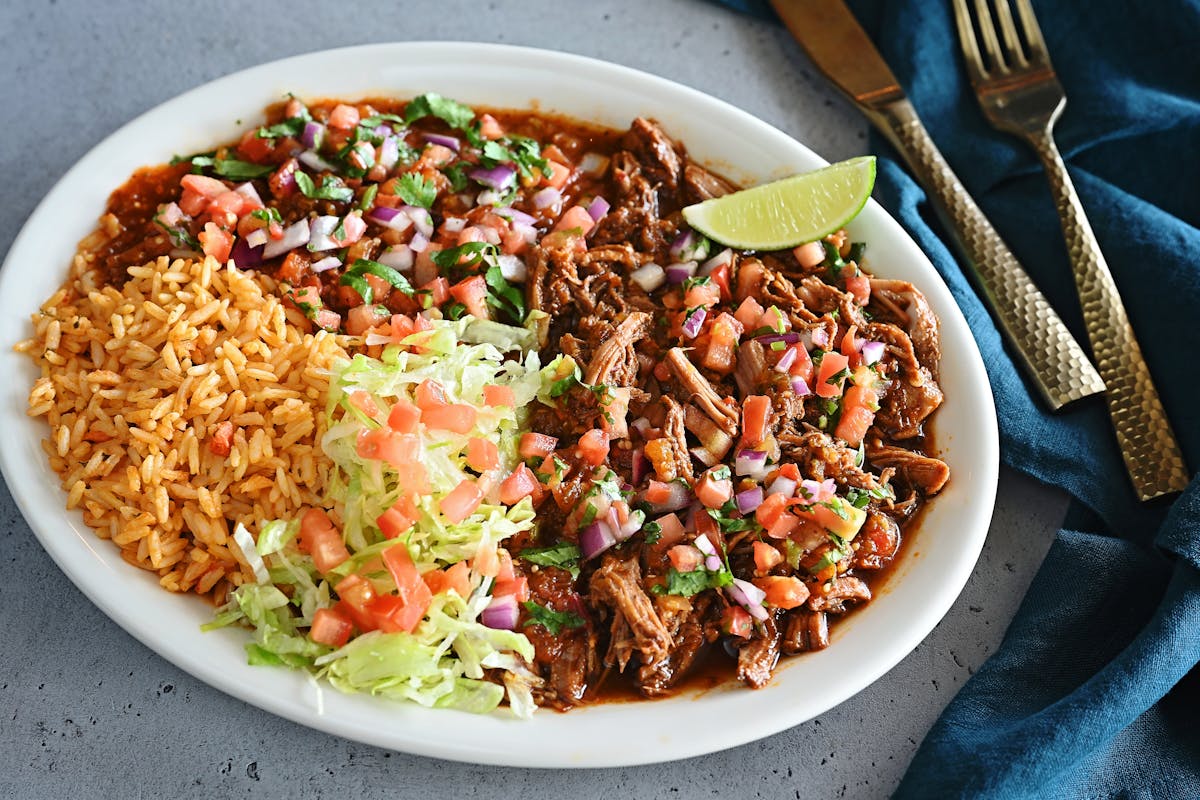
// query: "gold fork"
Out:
[1020,94]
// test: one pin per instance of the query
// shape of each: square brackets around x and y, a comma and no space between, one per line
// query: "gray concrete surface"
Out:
[87,711]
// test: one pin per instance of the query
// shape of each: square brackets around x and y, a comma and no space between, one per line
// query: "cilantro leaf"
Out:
[237,170]
[457,173]
[448,259]
[686,584]
[564,555]
[376,120]
[503,296]
[653,531]
[365,266]
[331,188]
[431,104]
[368,198]
[551,620]
[416,190]
[289,127]
[833,258]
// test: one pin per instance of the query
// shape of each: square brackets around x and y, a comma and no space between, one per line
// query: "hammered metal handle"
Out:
[1058,365]
[1144,434]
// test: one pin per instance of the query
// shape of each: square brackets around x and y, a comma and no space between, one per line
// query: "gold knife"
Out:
[841,49]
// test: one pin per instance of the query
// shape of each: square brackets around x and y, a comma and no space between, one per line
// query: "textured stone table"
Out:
[85,710]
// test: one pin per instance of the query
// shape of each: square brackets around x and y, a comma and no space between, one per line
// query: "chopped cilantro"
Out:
[653,532]
[564,555]
[857,249]
[365,266]
[416,190]
[268,215]
[700,280]
[475,251]
[331,188]
[503,296]
[375,120]
[551,620]
[289,127]
[453,113]
[454,311]
[237,170]
[833,259]
[368,198]
[457,173]
[687,584]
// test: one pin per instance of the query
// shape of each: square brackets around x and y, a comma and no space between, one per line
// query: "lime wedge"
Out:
[787,212]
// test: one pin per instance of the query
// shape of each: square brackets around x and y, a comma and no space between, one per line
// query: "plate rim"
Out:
[66,551]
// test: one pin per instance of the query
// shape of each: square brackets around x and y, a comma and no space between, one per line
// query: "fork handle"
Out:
[1148,445]
[1058,365]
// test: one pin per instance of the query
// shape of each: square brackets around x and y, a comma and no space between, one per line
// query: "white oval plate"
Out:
[934,567]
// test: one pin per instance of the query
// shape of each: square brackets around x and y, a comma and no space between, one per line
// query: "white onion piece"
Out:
[593,163]
[257,237]
[720,259]
[649,276]
[295,236]
[310,159]
[512,268]
[320,239]
[419,243]
[399,258]
[783,486]
[327,263]
[453,224]
[248,191]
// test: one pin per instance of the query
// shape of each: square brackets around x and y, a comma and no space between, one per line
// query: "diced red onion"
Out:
[712,563]
[680,271]
[820,337]
[310,159]
[691,328]
[749,462]
[399,257]
[512,268]
[443,140]
[500,177]
[528,232]
[389,152]
[642,426]
[800,387]
[501,613]
[491,235]
[686,239]
[704,456]
[321,228]
[649,276]
[421,218]
[248,191]
[294,236]
[257,237]
[747,594]
[547,198]
[312,135]
[454,224]
[244,256]
[640,464]
[873,351]
[595,539]
[593,163]
[598,208]
[489,197]
[782,485]
[392,218]
[327,263]
[516,216]
[786,360]
[817,491]
[418,243]
[720,259]
[791,337]
[749,499]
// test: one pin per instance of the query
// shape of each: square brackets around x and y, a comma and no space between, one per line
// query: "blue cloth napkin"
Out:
[1094,691]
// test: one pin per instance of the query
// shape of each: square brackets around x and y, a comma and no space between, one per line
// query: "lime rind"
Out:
[787,212]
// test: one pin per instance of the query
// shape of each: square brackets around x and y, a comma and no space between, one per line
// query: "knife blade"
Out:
[1054,360]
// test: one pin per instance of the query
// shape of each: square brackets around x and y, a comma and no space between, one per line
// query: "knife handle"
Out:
[1052,357]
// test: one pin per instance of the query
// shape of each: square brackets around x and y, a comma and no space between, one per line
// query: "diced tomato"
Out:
[593,447]
[707,526]
[802,367]
[518,586]
[756,410]
[575,217]
[658,492]
[489,128]
[321,540]
[771,509]
[849,343]
[536,445]
[810,254]
[439,291]
[456,417]
[216,242]
[496,395]
[397,520]
[329,320]
[685,557]
[394,615]
[857,415]
[356,592]
[435,156]
[364,402]
[783,591]
[412,478]
[507,570]
[429,394]
[293,269]
[331,627]
[722,343]
[482,454]
[736,621]
[558,177]
[783,526]
[720,276]
[860,287]
[455,578]
[226,207]
[343,117]
[206,187]
[517,486]
[831,364]
[221,441]
[404,416]
[354,228]
[472,293]
[789,471]
[713,493]
[766,556]
[702,294]
[363,318]
[774,319]
[748,313]
[671,529]
[385,444]
[283,180]
[461,502]
[486,561]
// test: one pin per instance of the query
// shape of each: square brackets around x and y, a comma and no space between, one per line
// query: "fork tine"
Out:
[1033,34]
[966,36]
[991,45]
[1008,31]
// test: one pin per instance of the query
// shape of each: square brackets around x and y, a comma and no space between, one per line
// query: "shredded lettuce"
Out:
[442,662]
